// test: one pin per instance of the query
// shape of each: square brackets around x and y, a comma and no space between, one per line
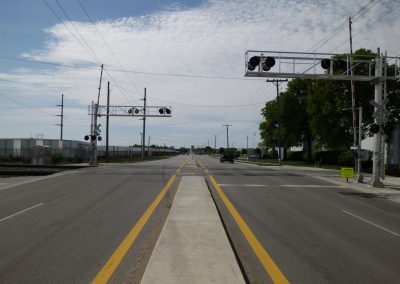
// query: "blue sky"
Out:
[196,39]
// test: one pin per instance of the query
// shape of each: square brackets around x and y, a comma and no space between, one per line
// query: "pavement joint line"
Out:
[20,212]
[371,223]
[266,260]
[113,262]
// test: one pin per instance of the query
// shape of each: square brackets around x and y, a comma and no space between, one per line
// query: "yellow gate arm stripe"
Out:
[111,265]
[267,262]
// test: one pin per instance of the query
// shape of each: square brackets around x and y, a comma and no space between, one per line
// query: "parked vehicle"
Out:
[227,157]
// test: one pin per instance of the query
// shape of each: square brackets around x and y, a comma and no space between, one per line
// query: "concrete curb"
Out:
[193,246]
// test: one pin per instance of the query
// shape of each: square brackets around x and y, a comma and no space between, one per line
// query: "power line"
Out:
[183,75]
[83,43]
[368,25]
[106,44]
[25,105]
[47,63]
[362,11]
[65,25]
[83,39]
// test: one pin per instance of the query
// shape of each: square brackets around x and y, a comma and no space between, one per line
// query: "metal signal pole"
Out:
[93,158]
[144,125]
[108,121]
[376,181]
[276,83]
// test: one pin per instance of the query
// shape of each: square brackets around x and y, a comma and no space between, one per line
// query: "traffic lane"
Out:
[15,199]
[372,207]
[309,237]
[69,239]
[19,198]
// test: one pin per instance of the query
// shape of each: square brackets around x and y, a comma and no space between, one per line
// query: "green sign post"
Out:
[347,173]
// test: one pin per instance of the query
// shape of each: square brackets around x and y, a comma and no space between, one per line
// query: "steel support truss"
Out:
[330,66]
[135,111]
[307,65]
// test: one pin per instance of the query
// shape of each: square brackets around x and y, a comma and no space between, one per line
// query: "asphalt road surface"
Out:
[285,224]
[315,231]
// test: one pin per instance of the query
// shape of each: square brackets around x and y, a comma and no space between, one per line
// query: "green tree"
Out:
[295,120]
[268,128]
[328,122]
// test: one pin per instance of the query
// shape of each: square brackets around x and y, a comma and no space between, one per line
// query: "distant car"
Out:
[227,157]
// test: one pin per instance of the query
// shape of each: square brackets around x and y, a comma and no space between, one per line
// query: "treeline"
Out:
[317,111]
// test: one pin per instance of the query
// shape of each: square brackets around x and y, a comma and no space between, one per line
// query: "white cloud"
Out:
[207,40]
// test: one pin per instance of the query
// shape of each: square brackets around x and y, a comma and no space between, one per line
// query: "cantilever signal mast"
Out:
[329,66]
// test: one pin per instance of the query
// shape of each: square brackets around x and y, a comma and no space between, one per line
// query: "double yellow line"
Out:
[113,262]
[265,259]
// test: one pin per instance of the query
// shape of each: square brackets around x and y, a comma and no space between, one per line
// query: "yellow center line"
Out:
[204,168]
[266,260]
[111,265]
[182,166]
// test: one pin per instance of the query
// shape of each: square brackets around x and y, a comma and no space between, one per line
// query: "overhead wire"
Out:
[368,25]
[83,42]
[25,105]
[106,44]
[91,50]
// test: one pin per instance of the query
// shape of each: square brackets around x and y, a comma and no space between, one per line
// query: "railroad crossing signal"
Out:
[135,111]
[329,66]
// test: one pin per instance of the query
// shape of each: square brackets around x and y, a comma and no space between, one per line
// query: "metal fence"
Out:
[46,154]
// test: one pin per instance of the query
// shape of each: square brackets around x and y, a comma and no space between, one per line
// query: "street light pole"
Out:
[276,83]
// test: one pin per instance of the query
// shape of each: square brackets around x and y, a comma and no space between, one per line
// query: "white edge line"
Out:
[311,185]
[242,185]
[371,223]
[20,212]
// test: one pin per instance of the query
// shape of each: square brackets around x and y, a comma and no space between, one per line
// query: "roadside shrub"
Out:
[346,158]
[296,155]
[327,157]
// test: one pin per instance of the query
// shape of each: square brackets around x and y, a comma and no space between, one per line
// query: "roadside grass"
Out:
[272,162]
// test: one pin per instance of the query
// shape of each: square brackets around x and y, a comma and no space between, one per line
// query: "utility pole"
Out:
[215,143]
[148,147]
[144,124]
[276,83]
[61,116]
[108,121]
[247,146]
[227,135]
